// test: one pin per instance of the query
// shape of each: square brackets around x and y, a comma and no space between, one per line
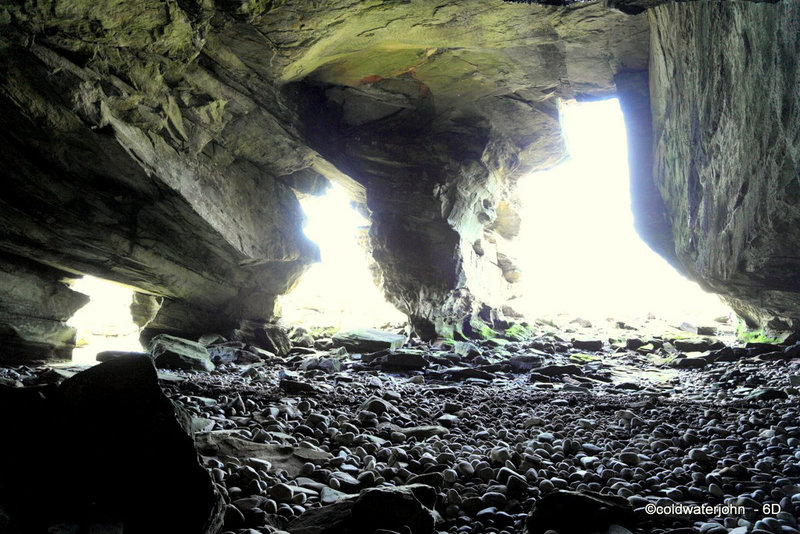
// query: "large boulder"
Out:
[125,456]
[368,340]
[401,508]
[170,352]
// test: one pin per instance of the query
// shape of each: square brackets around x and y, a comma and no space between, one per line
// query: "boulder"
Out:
[401,509]
[578,513]
[129,457]
[170,352]
[368,340]
[108,355]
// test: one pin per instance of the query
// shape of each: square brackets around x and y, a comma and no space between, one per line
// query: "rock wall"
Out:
[436,111]
[35,303]
[725,90]
[161,144]
[127,158]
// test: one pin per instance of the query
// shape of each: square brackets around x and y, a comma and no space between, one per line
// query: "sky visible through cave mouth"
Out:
[579,252]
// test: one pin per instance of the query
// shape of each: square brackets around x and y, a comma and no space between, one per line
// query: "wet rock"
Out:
[368,340]
[170,352]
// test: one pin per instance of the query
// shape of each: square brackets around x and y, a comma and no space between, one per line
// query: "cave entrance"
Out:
[579,252]
[339,291]
[105,323]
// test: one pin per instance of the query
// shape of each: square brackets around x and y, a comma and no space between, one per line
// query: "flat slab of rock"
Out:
[368,340]
[587,344]
[170,352]
[558,370]
[223,443]
[692,345]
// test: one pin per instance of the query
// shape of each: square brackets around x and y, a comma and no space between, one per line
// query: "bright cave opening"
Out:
[339,291]
[579,252]
[105,323]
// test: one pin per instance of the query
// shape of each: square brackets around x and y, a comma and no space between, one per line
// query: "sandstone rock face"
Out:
[725,88]
[34,307]
[161,144]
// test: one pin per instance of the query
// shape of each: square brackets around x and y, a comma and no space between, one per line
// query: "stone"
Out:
[578,513]
[170,352]
[559,370]
[35,304]
[395,508]
[268,337]
[424,432]
[692,345]
[404,359]
[526,361]
[368,340]
[108,355]
[132,458]
[289,458]
[587,344]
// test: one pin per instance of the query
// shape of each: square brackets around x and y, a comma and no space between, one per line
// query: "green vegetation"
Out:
[517,332]
[487,333]
[753,336]
[583,358]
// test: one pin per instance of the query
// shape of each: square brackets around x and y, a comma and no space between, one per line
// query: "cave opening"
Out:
[105,322]
[579,251]
[340,291]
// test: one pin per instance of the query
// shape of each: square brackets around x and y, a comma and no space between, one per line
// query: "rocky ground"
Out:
[542,430]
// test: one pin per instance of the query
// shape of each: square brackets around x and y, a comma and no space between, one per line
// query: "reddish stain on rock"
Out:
[372,78]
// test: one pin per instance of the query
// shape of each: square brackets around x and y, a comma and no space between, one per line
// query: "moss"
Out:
[487,333]
[753,336]
[583,358]
[517,332]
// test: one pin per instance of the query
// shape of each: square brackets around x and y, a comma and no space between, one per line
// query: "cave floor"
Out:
[499,426]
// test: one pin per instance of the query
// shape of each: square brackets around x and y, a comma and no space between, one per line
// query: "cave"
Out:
[172,155]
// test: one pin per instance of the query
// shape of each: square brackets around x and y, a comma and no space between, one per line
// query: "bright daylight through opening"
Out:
[339,291]
[105,323]
[579,252]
